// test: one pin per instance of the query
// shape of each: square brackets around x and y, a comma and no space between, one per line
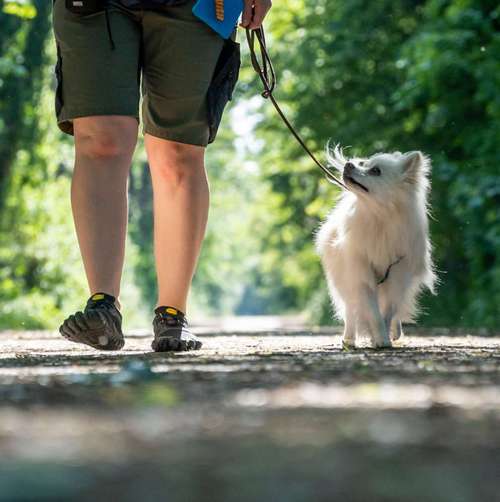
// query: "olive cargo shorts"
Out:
[188,70]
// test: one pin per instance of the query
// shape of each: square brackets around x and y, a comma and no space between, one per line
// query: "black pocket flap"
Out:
[223,82]
[228,65]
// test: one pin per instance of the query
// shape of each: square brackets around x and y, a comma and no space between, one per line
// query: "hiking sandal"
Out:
[99,325]
[171,332]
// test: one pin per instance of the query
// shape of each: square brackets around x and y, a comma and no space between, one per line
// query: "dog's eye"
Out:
[361,162]
[375,171]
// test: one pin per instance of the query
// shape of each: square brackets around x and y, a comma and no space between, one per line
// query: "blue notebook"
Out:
[205,10]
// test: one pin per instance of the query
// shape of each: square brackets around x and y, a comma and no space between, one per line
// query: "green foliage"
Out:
[20,8]
[452,103]
[25,250]
[22,62]
[374,76]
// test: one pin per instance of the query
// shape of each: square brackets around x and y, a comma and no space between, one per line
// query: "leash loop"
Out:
[267,75]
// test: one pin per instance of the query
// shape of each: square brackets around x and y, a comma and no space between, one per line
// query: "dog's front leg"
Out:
[370,319]
[396,329]
[392,323]
[393,297]
[349,338]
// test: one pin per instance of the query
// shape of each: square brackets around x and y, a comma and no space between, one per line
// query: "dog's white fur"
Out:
[366,234]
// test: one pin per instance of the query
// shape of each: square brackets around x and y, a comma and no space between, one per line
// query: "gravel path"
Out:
[273,415]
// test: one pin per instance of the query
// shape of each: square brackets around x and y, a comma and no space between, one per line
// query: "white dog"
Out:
[374,245]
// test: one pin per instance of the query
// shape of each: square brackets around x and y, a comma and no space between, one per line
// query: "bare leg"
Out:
[104,146]
[181,203]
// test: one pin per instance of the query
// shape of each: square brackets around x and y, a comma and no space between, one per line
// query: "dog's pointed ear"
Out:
[412,163]
[412,160]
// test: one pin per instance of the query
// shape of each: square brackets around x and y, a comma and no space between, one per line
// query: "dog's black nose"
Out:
[349,166]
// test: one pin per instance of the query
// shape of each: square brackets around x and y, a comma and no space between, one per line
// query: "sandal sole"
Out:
[169,344]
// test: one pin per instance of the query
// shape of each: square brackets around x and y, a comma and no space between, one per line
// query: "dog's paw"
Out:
[384,343]
[396,331]
[397,338]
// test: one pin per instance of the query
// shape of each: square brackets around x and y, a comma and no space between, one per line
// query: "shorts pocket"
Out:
[58,74]
[222,85]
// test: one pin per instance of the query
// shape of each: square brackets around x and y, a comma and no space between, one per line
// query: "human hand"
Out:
[254,13]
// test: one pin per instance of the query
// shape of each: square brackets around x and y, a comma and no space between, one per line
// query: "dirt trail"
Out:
[272,415]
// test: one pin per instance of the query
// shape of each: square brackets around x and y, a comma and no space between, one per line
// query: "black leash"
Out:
[386,275]
[268,77]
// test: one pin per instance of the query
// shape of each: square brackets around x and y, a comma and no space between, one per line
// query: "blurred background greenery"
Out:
[387,75]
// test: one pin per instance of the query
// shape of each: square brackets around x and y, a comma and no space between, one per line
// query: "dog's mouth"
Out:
[350,179]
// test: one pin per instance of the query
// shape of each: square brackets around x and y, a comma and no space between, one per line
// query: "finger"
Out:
[260,11]
[246,17]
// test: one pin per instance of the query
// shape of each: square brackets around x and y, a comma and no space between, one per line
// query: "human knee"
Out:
[177,163]
[106,139]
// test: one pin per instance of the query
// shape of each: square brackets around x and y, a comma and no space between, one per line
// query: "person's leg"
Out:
[104,146]
[181,202]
